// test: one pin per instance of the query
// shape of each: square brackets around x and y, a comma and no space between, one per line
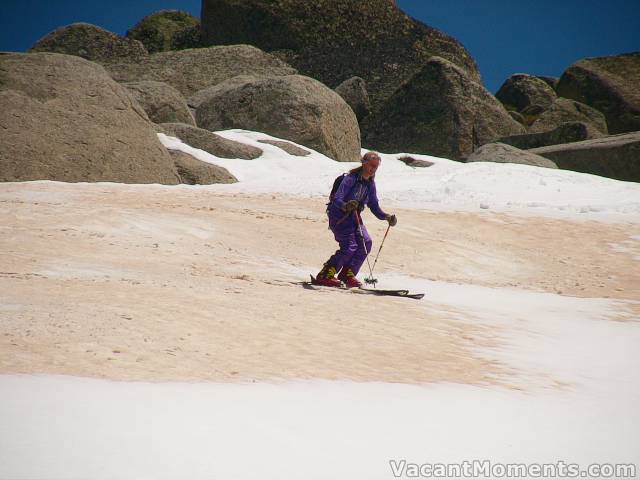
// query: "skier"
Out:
[357,189]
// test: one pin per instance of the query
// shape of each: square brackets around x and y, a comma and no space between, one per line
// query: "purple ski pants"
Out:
[351,252]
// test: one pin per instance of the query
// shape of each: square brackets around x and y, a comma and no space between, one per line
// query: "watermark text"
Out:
[485,468]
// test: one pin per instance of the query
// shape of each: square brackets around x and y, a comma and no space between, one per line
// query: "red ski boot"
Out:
[327,277]
[349,278]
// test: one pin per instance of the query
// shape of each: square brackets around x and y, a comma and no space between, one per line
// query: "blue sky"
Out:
[541,37]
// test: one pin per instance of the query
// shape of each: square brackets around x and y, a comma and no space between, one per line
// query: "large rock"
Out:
[518,117]
[90,42]
[564,110]
[167,30]
[530,114]
[195,172]
[502,153]
[201,96]
[293,107]
[210,142]
[616,156]
[441,111]
[608,84]
[551,81]
[189,71]
[521,90]
[332,40]
[63,118]
[161,101]
[565,133]
[288,147]
[354,92]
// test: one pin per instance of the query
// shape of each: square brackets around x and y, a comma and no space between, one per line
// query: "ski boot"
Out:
[349,278]
[327,277]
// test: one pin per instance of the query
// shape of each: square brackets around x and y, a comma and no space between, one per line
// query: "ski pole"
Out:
[381,244]
[370,280]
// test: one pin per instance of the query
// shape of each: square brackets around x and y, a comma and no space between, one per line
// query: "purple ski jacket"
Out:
[354,187]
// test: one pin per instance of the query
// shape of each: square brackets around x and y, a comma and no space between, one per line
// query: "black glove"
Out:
[351,205]
[392,220]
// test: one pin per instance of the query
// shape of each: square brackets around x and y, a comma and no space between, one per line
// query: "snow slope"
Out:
[578,387]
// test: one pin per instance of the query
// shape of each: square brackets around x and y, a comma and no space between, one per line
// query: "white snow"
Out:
[63,427]
[447,185]
[546,336]
[54,427]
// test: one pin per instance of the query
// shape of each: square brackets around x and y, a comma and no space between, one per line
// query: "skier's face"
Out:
[369,167]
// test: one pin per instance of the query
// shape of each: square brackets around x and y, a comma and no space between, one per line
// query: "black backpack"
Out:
[336,185]
[334,189]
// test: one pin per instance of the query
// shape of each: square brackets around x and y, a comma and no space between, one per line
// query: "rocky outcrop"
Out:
[521,90]
[90,42]
[616,156]
[293,107]
[189,71]
[63,118]
[564,110]
[502,153]
[441,111]
[288,147]
[332,40]
[566,133]
[167,30]
[354,92]
[201,96]
[195,172]
[531,113]
[518,117]
[161,101]
[551,81]
[608,84]
[415,162]
[210,142]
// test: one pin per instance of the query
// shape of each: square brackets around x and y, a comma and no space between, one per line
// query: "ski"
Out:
[365,291]
[389,293]
[380,291]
